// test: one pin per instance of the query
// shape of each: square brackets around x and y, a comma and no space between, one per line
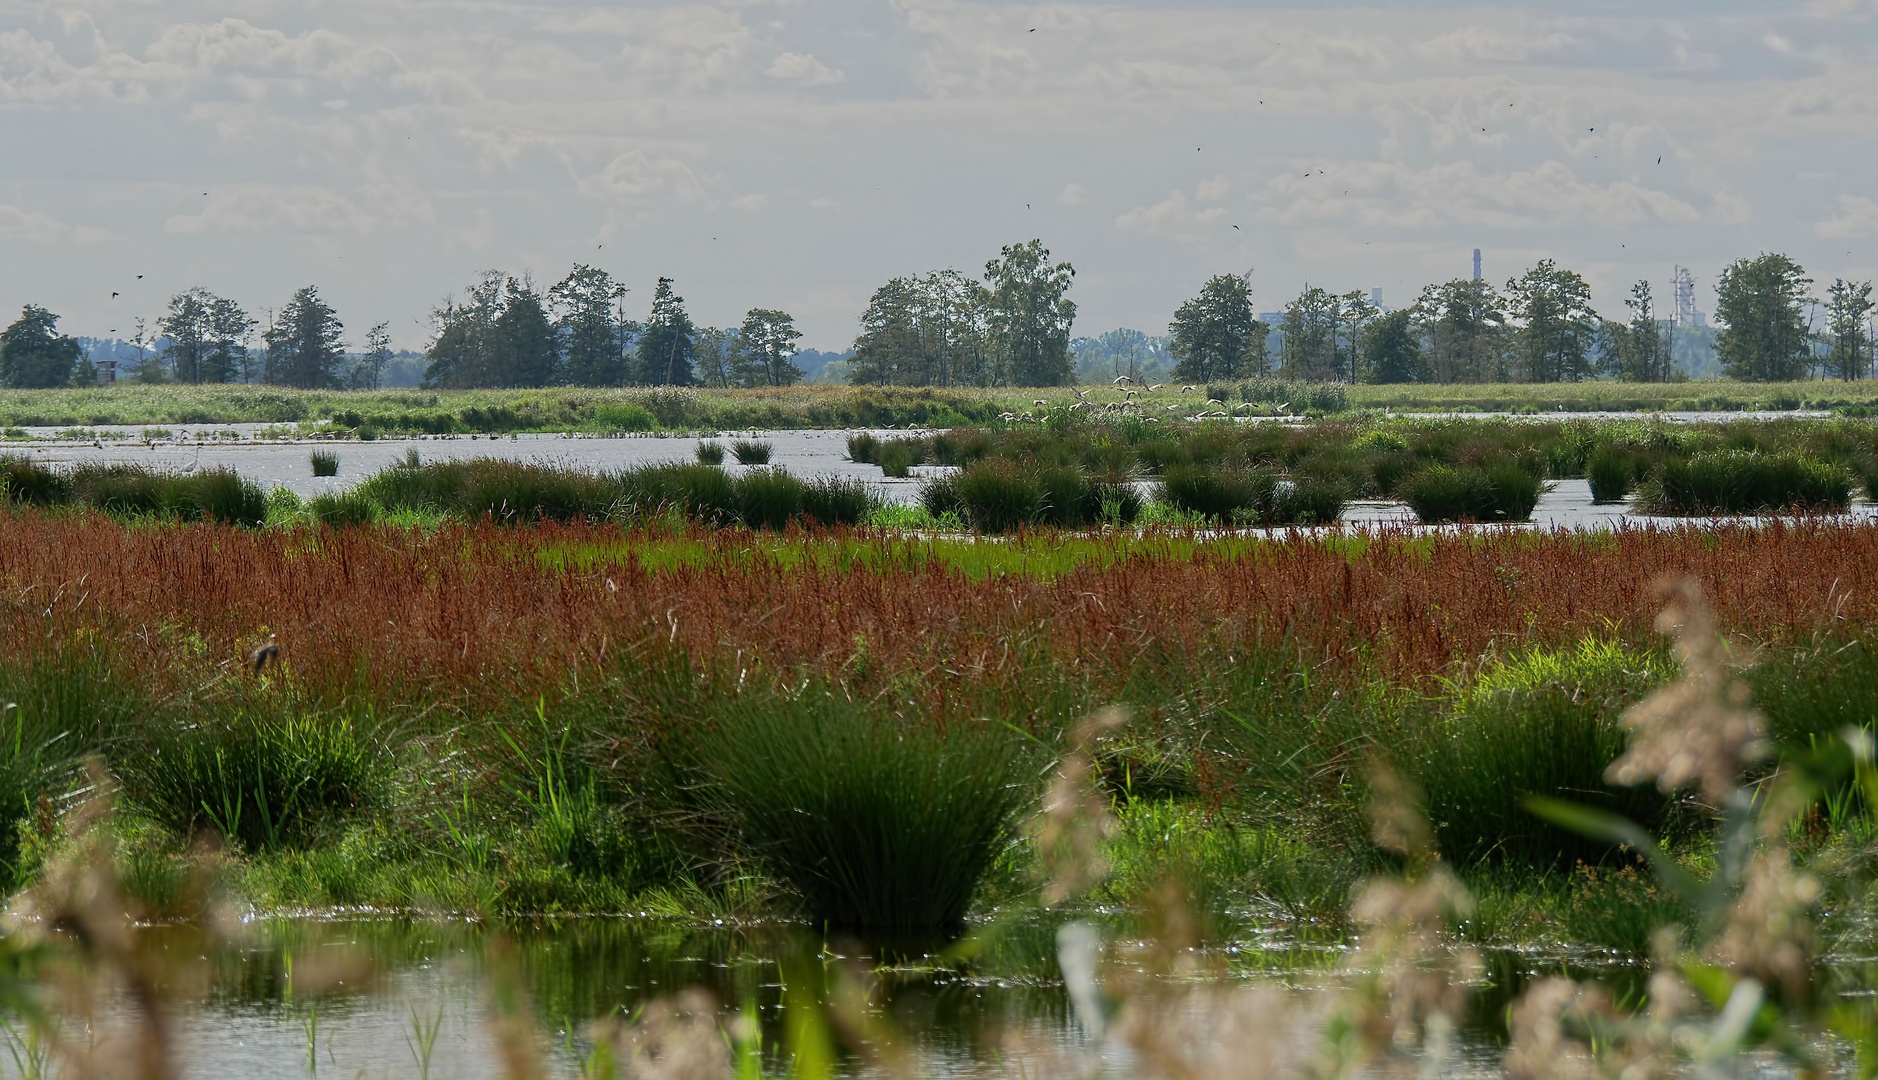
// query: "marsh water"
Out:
[374,997]
[1567,505]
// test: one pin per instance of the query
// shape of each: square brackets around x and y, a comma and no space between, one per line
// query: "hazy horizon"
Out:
[796,155]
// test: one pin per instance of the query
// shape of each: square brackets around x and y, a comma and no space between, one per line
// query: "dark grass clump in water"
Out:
[508,491]
[882,824]
[342,509]
[325,463]
[710,453]
[1251,496]
[1611,472]
[704,493]
[1544,723]
[896,457]
[864,448]
[996,496]
[219,494]
[28,481]
[1498,491]
[750,452]
[263,779]
[1745,482]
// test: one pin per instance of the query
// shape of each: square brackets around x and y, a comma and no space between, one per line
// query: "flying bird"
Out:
[1235,226]
[139,277]
[113,296]
[262,656]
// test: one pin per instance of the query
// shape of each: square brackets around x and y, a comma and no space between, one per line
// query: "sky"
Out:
[798,154]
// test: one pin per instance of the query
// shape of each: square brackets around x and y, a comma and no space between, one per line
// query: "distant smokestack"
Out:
[1476,264]
[1375,297]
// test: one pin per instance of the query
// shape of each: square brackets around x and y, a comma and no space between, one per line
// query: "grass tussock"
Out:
[325,463]
[1745,482]
[1501,491]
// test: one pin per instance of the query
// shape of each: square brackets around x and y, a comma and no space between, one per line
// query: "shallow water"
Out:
[1567,505]
[250,1007]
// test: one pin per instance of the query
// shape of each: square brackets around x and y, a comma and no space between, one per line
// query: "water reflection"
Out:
[293,997]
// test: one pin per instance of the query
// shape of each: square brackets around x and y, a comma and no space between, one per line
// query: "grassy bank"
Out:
[370,413]
[579,718]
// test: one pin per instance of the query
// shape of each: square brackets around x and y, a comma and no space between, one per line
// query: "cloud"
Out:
[1175,218]
[1857,214]
[1212,191]
[37,228]
[803,70]
[249,208]
[1395,195]
[750,202]
[636,178]
[1073,195]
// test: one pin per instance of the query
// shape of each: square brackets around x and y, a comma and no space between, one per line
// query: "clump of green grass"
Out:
[27,481]
[864,448]
[710,453]
[1250,496]
[896,457]
[260,779]
[343,509]
[880,823]
[325,463]
[1745,482]
[996,496]
[1611,472]
[750,451]
[1498,491]
[1544,722]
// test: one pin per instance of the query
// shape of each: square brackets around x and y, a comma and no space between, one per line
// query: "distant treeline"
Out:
[1012,328]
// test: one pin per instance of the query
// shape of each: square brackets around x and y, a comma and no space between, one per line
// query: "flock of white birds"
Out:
[1130,403]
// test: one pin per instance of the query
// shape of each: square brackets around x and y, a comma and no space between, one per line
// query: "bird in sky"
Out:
[113,296]
[1235,226]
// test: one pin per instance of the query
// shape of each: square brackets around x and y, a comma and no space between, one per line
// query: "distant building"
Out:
[107,371]
[1476,264]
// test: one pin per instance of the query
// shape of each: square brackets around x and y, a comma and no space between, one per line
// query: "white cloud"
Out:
[755,201]
[1394,195]
[636,180]
[1175,218]
[1857,214]
[803,70]
[1073,195]
[246,208]
[1212,191]
[35,227]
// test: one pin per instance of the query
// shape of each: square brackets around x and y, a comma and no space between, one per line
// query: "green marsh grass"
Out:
[1735,481]
[750,451]
[710,453]
[325,463]
[881,824]
[344,509]
[1499,491]
[1611,473]
[261,779]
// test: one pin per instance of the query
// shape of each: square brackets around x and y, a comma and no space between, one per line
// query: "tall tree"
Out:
[1558,330]
[887,352]
[230,328]
[714,357]
[663,354]
[34,354]
[371,366]
[952,319]
[463,352]
[1029,315]
[1216,335]
[1643,345]
[1354,315]
[303,345]
[1392,349]
[596,336]
[186,325]
[1848,338]
[1464,322]
[1309,347]
[526,351]
[767,347]
[1763,335]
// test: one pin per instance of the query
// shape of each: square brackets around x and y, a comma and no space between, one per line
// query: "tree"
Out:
[462,354]
[526,351]
[1848,338]
[714,357]
[149,369]
[1354,315]
[1216,335]
[33,354]
[303,345]
[1558,332]
[1309,348]
[887,352]
[766,346]
[371,365]
[1392,349]
[187,326]
[595,335]
[1763,335]
[951,316]
[1464,322]
[229,359]
[1638,351]
[663,354]
[1029,316]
